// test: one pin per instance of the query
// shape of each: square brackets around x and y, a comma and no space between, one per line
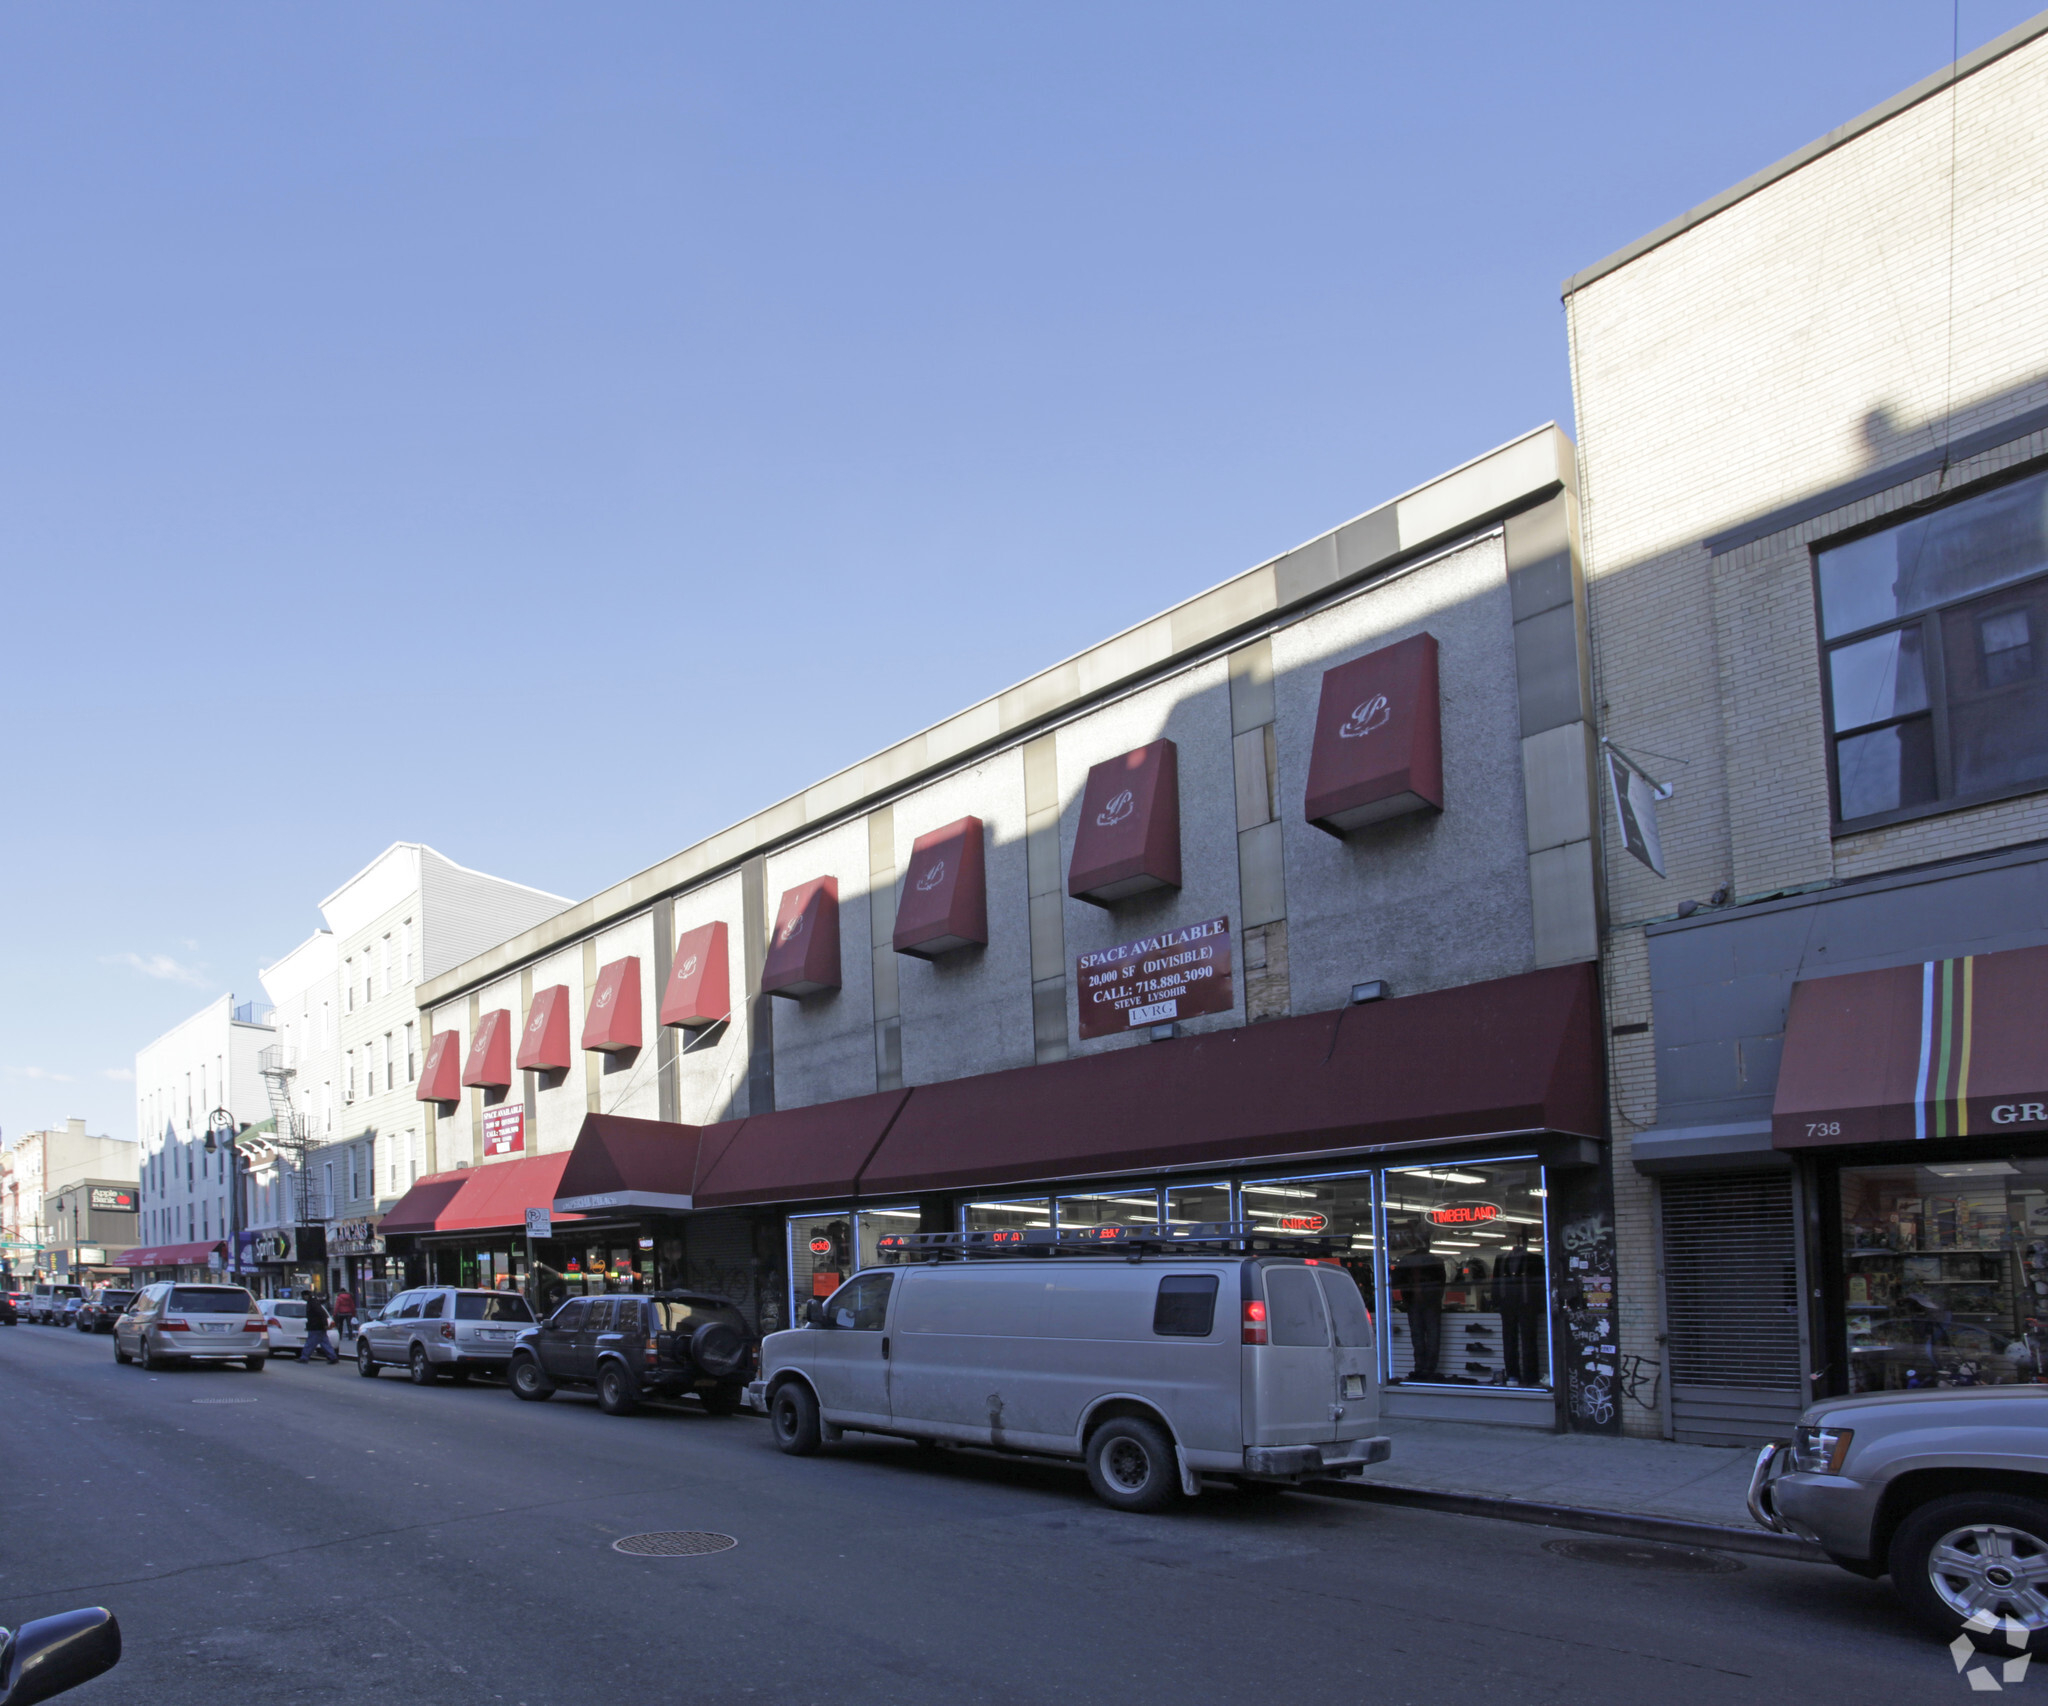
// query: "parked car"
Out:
[46,1300]
[99,1312]
[169,1325]
[285,1321]
[669,1344]
[1182,1357]
[442,1328]
[9,1310]
[1944,1489]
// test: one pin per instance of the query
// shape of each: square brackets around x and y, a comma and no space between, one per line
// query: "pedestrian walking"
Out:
[316,1332]
[344,1316]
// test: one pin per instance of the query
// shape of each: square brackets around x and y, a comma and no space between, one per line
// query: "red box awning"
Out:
[1512,1057]
[544,1044]
[626,1163]
[492,1197]
[944,904]
[613,1023]
[490,1052]
[803,952]
[441,1080]
[1942,1049]
[796,1154]
[1128,840]
[700,982]
[1379,739]
[416,1210]
[172,1255]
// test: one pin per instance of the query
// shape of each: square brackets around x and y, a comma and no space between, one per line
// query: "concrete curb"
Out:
[1628,1524]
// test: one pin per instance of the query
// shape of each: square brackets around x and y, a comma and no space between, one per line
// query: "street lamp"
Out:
[220,1136]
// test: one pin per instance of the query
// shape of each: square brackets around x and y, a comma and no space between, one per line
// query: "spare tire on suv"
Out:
[718,1348]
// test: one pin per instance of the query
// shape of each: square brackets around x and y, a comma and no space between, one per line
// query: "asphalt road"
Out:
[305,1535]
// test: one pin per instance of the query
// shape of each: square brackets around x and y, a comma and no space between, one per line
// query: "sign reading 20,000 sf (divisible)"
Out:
[1174,975]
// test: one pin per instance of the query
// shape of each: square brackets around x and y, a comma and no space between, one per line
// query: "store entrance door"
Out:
[1731,1299]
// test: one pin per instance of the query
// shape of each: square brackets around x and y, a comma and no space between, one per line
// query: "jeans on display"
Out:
[1425,1338]
[1521,1333]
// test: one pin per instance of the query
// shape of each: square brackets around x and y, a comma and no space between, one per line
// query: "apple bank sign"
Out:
[1174,975]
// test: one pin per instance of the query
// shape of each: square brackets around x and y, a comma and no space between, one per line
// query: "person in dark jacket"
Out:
[316,1332]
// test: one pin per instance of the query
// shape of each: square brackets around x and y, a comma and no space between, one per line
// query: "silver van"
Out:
[1176,1356]
[168,1325]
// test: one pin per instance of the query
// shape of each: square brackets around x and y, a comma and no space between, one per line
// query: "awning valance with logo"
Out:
[1941,1049]
[173,1255]
[488,1198]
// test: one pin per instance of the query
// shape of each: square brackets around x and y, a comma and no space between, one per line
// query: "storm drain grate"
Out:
[676,1543]
[1644,1555]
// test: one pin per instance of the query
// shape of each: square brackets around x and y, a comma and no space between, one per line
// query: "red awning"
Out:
[490,1052]
[171,1255]
[796,1154]
[1945,1048]
[544,1044]
[417,1209]
[803,952]
[1515,1056]
[441,1081]
[1379,741]
[613,1023]
[624,1163]
[1128,840]
[944,904]
[700,982]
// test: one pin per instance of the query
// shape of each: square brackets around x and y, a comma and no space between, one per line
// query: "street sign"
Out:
[538,1223]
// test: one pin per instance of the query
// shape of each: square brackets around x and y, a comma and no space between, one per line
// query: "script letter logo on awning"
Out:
[932,878]
[792,930]
[1373,714]
[690,966]
[1117,809]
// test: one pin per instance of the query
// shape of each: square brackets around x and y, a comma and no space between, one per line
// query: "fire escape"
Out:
[292,1136]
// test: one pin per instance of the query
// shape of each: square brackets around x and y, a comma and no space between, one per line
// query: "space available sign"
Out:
[1155,981]
[504,1130]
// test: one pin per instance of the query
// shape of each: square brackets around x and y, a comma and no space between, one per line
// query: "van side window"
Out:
[862,1304]
[1347,1308]
[1187,1306]
[1294,1311]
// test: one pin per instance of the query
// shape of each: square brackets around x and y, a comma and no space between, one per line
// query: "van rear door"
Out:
[1358,1387]
[1292,1378]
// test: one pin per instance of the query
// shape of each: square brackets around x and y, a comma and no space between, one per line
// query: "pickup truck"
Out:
[1943,1489]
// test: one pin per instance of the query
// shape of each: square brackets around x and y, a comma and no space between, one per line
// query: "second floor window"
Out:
[1937,657]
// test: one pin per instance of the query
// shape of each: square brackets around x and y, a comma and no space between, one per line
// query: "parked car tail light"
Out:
[447,1329]
[1254,1321]
[255,1327]
[1820,1451]
[653,1352]
[174,1324]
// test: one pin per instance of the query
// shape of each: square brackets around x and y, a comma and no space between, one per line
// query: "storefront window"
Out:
[871,1223]
[821,1256]
[1338,1208]
[1945,1274]
[1465,1275]
[1197,1205]
[1139,1207]
[1001,1216]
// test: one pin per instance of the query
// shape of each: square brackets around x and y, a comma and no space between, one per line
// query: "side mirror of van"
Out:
[54,1654]
[814,1314]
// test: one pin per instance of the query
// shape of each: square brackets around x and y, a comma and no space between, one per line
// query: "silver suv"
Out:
[1944,1489]
[442,1328]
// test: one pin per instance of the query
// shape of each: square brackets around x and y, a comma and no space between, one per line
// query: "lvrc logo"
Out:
[932,878]
[604,997]
[1116,811]
[533,1027]
[1373,714]
[790,931]
[690,966]
[2010,1674]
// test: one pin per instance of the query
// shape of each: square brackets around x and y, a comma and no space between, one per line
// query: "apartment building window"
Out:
[384,959]
[412,1040]
[1936,636]
[348,1078]
[348,981]
[390,1064]
[405,941]
[327,1186]
[353,1183]
[326,1024]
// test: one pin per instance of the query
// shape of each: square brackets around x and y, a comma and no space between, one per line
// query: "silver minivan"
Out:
[439,1329]
[170,1325]
[1153,1367]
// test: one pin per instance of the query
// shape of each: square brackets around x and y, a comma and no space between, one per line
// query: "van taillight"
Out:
[173,1324]
[1254,1322]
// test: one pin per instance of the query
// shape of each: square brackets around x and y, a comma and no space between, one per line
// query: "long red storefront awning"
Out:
[1940,1049]
[172,1255]
[1512,1059]
[492,1197]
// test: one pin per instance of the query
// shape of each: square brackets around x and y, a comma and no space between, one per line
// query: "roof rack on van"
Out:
[1231,1237]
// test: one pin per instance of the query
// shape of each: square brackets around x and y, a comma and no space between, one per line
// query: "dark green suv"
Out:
[627,1347]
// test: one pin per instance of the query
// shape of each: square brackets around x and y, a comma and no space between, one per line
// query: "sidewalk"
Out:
[1648,1487]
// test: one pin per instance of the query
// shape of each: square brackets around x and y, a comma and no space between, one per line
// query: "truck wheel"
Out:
[1131,1465]
[366,1364]
[615,1396]
[1972,1553]
[793,1414]
[528,1382]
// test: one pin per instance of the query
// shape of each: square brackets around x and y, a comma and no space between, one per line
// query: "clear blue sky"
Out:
[553,432]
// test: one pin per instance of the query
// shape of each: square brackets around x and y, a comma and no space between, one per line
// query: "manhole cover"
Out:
[223,1400]
[678,1543]
[1644,1555]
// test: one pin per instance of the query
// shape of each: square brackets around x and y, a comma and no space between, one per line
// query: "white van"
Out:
[1176,1357]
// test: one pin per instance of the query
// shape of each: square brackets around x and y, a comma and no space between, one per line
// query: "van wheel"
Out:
[528,1382]
[615,1392]
[151,1362]
[1131,1465]
[120,1355]
[366,1364]
[793,1414]
[1975,1553]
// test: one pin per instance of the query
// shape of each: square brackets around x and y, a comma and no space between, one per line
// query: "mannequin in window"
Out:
[1519,1293]
[1419,1277]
